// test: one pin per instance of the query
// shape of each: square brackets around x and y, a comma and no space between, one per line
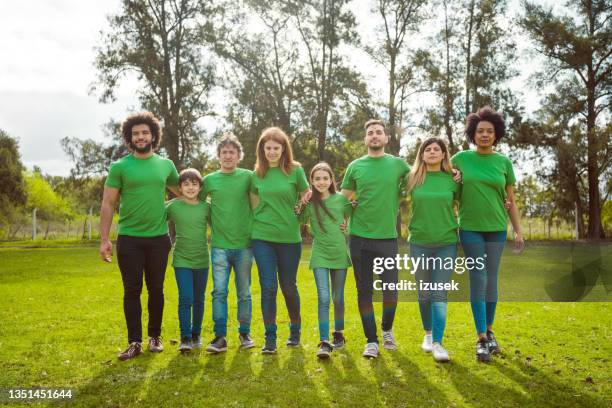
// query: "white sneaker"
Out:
[439,353]
[371,350]
[389,342]
[427,344]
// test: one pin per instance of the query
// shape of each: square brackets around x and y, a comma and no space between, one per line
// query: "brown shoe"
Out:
[133,350]
[155,345]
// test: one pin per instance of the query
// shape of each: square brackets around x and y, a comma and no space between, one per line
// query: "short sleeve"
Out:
[348,182]
[173,177]
[510,178]
[457,191]
[114,176]
[405,167]
[455,160]
[301,182]
[253,184]
[348,207]
[168,209]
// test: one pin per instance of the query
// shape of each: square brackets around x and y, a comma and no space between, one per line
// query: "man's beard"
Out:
[376,147]
[145,149]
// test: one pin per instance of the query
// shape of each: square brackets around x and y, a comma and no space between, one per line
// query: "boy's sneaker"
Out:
[427,344]
[439,353]
[196,341]
[186,345]
[155,345]
[339,340]
[246,342]
[482,351]
[371,350]
[269,348]
[389,342]
[133,350]
[325,350]
[293,340]
[493,345]
[217,345]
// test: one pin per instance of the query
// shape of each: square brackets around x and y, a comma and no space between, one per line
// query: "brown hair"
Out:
[419,169]
[190,174]
[286,160]
[141,118]
[229,139]
[489,115]
[375,122]
[316,200]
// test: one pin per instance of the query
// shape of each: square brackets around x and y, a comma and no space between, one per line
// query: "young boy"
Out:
[190,260]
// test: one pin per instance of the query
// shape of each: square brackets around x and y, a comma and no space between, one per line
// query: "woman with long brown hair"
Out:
[278,182]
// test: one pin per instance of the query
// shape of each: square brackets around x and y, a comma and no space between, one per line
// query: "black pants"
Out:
[138,256]
[363,251]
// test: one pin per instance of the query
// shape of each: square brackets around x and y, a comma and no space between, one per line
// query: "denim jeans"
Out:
[483,282]
[432,303]
[223,260]
[322,278]
[278,263]
[191,288]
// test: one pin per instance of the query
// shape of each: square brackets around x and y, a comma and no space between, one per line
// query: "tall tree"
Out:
[579,45]
[12,187]
[163,43]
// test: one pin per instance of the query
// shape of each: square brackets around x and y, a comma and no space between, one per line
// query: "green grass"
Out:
[61,325]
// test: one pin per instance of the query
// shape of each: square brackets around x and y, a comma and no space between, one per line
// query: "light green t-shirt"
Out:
[434,221]
[329,249]
[484,178]
[231,215]
[190,246]
[376,182]
[274,219]
[143,191]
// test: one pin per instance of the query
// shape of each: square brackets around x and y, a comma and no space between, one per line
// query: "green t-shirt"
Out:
[377,183]
[190,246]
[329,249]
[274,219]
[143,190]
[231,213]
[434,221]
[484,178]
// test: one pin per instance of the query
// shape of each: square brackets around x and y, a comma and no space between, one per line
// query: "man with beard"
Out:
[138,181]
[374,180]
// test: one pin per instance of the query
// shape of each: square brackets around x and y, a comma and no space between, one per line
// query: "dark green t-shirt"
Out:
[484,178]
[376,182]
[143,190]
[434,221]
[329,249]
[231,215]
[274,219]
[190,246]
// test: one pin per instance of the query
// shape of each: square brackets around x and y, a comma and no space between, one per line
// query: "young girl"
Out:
[190,257]
[433,235]
[326,211]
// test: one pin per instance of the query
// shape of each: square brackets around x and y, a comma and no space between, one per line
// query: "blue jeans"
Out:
[222,262]
[338,278]
[433,303]
[191,287]
[278,263]
[483,282]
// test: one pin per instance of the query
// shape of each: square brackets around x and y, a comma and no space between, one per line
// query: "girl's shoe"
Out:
[269,348]
[196,341]
[493,345]
[339,340]
[325,350]
[186,345]
[482,351]
[427,344]
[439,353]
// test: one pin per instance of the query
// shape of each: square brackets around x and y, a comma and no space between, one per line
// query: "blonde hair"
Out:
[286,161]
[419,168]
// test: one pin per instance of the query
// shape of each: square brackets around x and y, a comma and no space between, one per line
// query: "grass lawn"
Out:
[61,325]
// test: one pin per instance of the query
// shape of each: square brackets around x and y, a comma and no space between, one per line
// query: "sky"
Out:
[48,50]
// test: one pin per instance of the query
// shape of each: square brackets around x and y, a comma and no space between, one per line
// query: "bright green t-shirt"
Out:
[376,182]
[231,215]
[484,178]
[434,221]
[274,219]
[190,246]
[143,190]
[329,249]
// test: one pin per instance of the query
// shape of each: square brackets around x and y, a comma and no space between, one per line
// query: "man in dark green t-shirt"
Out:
[374,181]
[139,181]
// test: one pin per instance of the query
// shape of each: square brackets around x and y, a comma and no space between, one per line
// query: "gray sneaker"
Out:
[371,350]
[155,345]
[218,345]
[439,353]
[246,342]
[196,341]
[389,342]
[186,345]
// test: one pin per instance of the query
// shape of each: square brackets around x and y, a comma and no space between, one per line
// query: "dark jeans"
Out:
[138,256]
[278,263]
[363,251]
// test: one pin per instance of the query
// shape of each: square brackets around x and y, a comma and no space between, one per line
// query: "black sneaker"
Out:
[246,342]
[482,351]
[196,341]
[493,345]
[270,347]
[217,345]
[325,350]
[293,340]
[339,340]
[186,345]
[133,350]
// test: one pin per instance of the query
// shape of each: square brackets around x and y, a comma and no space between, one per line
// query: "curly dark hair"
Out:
[190,174]
[486,113]
[141,118]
